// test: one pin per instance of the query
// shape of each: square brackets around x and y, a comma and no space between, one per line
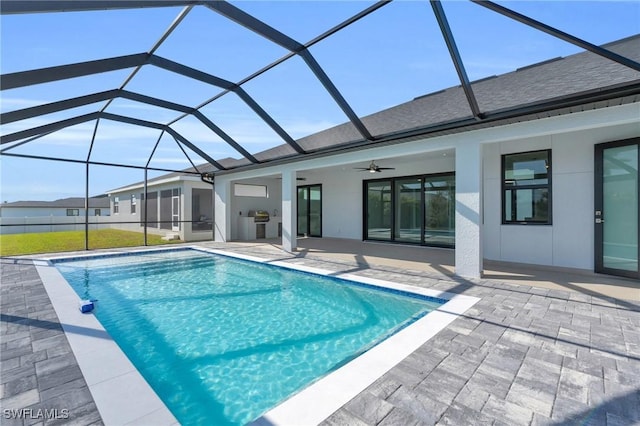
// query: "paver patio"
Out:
[522,355]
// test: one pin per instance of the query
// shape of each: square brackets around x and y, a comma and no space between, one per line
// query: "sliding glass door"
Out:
[377,210]
[408,210]
[439,210]
[310,211]
[416,209]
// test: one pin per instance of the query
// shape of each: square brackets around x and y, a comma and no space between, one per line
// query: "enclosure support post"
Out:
[146,205]
[86,207]
[289,210]
[86,186]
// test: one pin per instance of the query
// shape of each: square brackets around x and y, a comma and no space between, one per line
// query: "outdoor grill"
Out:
[259,216]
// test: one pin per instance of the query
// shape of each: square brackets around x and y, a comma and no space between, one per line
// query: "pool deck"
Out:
[540,347]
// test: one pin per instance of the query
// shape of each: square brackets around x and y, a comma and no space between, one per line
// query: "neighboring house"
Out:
[67,214]
[177,206]
[73,206]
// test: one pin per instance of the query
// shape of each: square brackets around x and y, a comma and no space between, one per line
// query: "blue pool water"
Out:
[223,340]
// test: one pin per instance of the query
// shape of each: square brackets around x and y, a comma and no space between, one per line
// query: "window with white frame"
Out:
[116,205]
[133,203]
[246,190]
[73,212]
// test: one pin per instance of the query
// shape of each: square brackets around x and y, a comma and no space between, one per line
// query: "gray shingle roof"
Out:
[573,75]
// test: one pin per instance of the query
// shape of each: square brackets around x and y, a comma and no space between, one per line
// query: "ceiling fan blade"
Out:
[386,168]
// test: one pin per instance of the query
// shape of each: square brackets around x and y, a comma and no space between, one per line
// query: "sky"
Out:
[392,56]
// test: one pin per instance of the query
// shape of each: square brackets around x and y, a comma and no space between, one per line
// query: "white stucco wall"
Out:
[243,204]
[569,241]
[342,215]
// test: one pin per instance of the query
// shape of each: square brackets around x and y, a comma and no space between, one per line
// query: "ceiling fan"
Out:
[373,168]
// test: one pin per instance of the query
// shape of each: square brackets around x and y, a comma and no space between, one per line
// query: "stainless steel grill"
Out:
[259,216]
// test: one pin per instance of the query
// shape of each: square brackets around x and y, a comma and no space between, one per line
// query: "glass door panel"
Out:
[408,215]
[620,208]
[378,210]
[310,211]
[315,211]
[439,211]
[303,211]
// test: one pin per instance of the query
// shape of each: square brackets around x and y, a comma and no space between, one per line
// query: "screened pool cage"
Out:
[202,97]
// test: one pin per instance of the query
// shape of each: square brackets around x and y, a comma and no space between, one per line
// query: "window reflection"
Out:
[440,211]
[407,203]
[378,210]
[422,210]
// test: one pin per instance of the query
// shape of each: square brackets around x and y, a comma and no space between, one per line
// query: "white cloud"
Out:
[38,191]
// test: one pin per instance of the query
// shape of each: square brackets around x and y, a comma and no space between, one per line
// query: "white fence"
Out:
[24,225]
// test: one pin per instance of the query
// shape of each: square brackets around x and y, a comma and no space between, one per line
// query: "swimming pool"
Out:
[222,340]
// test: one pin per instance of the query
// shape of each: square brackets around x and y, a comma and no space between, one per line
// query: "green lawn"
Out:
[51,242]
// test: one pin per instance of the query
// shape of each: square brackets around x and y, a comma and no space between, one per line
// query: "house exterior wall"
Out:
[569,241]
[187,231]
[240,206]
[125,215]
[124,210]
[342,197]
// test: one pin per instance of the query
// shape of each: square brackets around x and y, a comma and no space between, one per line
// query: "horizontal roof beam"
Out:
[26,113]
[97,163]
[131,120]
[52,127]
[80,69]
[159,126]
[48,128]
[63,72]
[197,114]
[193,73]
[12,7]
[44,75]
[559,34]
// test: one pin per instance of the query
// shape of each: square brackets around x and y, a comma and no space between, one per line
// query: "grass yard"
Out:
[50,242]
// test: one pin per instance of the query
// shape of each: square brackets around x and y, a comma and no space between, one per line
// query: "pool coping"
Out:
[123,396]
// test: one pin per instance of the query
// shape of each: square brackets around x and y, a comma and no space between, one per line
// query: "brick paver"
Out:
[40,381]
[521,356]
